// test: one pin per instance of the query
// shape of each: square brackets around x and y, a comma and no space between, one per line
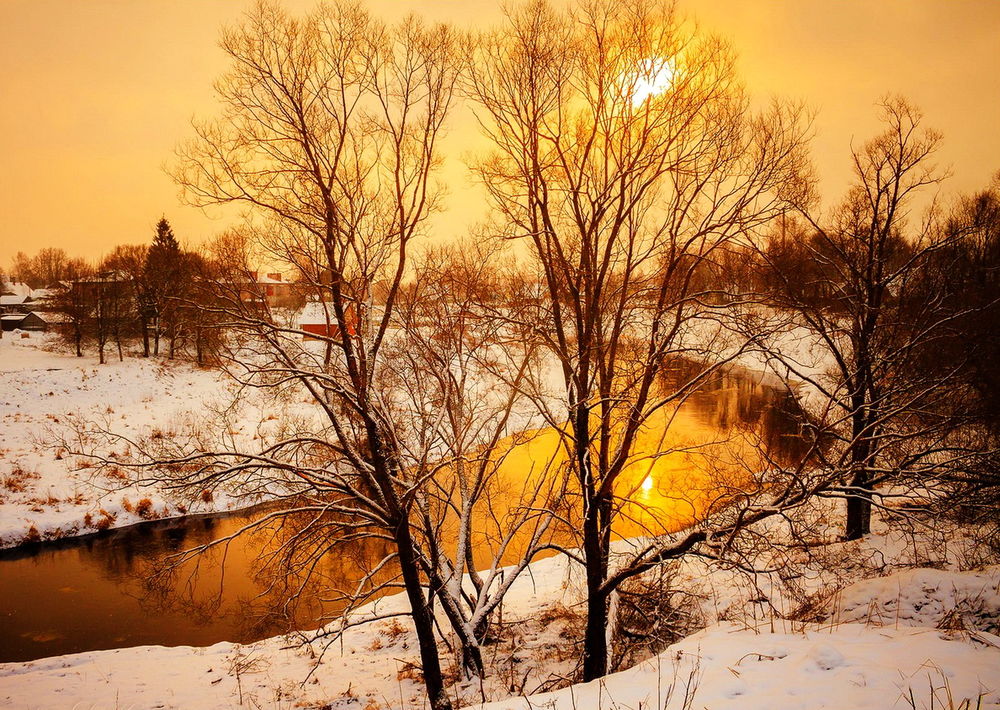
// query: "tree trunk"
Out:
[859,504]
[144,326]
[595,641]
[422,620]
[859,508]
[596,546]
[472,661]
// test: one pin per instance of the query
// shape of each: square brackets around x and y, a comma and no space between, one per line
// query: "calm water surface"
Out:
[95,592]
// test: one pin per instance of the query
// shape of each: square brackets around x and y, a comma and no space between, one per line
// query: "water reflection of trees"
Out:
[271,572]
[735,398]
[295,569]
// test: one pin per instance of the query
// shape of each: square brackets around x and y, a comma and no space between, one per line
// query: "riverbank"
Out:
[47,492]
[923,622]
[47,396]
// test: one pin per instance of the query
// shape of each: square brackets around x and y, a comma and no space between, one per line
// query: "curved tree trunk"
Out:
[423,621]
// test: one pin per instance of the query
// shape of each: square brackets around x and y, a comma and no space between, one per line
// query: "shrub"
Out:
[106,521]
[144,509]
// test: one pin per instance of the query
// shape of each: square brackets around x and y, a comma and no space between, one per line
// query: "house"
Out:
[271,286]
[23,321]
[268,288]
[317,320]
[253,288]
[103,284]
[11,304]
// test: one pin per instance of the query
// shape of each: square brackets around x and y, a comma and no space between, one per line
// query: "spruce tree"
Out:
[163,274]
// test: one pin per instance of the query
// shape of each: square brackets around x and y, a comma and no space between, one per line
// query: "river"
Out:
[95,592]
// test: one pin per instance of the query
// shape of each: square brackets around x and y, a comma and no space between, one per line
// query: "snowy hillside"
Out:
[45,491]
[914,638]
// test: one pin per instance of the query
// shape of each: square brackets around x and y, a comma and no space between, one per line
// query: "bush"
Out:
[144,509]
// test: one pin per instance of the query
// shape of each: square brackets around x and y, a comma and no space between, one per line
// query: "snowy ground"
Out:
[891,621]
[45,491]
[916,637]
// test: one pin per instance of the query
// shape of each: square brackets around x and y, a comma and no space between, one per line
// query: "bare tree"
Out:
[200,307]
[856,286]
[462,372]
[626,156]
[129,260]
[111,310]
[74,305]
[966,272]
[330,133]
[49,266]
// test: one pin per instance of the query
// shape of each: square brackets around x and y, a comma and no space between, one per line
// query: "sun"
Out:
[653,77]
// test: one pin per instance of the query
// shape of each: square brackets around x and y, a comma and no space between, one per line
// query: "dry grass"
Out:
[106,521]
[652,614]
[116,474]
[410,671]
[394,630]
[19,479]
[144,509]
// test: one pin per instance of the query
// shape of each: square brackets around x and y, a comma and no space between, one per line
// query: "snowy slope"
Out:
[774,663]
[47,492]
[842,666]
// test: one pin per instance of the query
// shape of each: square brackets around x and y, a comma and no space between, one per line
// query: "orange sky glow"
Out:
[95,94]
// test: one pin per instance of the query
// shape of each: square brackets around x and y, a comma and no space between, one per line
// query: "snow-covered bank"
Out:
[828,637]
[46,492]
[844,666]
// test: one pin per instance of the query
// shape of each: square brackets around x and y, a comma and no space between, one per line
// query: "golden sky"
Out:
[95,94]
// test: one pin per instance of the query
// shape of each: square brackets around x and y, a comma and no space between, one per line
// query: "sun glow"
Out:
[654,77]
[647,484]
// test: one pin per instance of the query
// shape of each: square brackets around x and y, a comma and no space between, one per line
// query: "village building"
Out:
[23,321]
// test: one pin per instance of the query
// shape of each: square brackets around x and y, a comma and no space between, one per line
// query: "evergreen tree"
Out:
[162,277]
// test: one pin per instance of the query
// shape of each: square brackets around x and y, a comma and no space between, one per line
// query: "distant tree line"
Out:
[158,295]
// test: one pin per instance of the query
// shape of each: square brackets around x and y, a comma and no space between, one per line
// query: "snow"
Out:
[846,666]
[897,619]
[925,597]
[744,657]
[45,490]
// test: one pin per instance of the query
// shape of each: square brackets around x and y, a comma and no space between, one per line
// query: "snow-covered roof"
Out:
[316,312]
[18,288]
[13,300]
[22,316]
